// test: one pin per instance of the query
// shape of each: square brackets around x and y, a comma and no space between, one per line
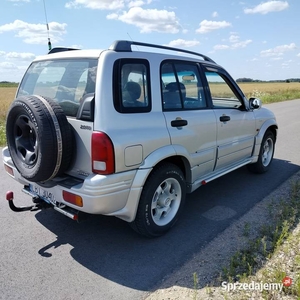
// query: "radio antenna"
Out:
[132,41]
[49,42]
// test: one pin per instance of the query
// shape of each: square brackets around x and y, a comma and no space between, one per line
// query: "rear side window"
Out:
[182,88]
[131,86]
[65,81]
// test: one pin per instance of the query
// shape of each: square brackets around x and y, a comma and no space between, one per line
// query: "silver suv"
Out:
[128,131]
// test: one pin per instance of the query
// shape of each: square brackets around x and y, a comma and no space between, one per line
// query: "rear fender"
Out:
[169,153]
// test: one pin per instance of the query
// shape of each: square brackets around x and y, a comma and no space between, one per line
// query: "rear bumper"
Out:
[114,195]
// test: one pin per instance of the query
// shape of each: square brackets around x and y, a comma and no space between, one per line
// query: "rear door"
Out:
[191,124]
[235,124]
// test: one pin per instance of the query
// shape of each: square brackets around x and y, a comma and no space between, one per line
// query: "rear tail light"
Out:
[103,157]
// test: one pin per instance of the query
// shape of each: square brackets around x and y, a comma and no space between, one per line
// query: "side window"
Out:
[131,86]
[181,86]
[222,94]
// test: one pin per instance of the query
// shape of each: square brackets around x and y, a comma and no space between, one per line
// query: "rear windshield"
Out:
[66,81]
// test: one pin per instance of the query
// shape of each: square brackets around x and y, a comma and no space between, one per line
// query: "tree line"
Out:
[8,84]
[244,79]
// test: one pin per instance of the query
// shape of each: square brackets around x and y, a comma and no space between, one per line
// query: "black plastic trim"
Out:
[125,46]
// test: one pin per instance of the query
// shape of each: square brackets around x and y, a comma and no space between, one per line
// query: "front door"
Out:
[235,124]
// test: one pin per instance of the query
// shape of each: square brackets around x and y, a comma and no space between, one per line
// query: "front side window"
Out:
[222,94]
[181,86]
[65,81]
[132,86]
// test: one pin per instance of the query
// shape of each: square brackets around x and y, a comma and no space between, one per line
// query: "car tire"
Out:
[39,138]
[265,156]
[161,201]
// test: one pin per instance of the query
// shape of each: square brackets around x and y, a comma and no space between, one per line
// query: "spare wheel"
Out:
[39,138]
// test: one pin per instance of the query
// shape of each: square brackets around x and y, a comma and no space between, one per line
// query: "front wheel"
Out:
[266,153]
[161,201]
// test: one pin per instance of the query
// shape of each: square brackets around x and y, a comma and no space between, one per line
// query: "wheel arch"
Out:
[269,125]
[171,154]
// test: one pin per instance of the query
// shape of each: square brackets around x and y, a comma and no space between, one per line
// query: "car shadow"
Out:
[109,247]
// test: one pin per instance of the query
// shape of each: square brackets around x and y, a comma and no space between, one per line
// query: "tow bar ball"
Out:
[9,195]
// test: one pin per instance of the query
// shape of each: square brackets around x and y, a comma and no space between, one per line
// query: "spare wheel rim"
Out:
[25,137]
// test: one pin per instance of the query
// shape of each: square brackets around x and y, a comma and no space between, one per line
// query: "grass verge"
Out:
[272,257]
[252,259]
[7,95]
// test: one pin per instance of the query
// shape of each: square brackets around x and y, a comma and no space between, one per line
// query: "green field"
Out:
[7,95]
[270,92]
[266,91]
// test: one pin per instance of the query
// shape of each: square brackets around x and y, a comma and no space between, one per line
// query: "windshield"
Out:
[66,81]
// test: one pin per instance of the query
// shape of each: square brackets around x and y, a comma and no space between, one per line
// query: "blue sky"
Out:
[254,38]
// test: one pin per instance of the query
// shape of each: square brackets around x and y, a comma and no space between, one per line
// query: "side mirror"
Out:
[255,103]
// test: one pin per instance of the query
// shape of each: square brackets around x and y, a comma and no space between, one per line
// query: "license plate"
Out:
[44,194]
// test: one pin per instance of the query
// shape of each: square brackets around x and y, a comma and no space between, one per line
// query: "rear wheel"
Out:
[161,201]
[265,154]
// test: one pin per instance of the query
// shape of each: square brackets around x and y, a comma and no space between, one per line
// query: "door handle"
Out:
[179,123]
[224,118]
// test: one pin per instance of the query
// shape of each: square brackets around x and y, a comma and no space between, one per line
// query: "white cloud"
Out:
[7,65]
[149,20]
[13,65]
[241,44]
[215,14]
[18,0]
[183,43]
[278,51]
[97,4]
[221,47]
[207,26]
[138,3]
[113,16]
[277,58]
[18,56]
[285,65]
[234,38]
[267,7]
[35,33]
[235,43]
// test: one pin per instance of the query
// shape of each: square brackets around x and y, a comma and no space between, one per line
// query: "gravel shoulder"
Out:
[208,263]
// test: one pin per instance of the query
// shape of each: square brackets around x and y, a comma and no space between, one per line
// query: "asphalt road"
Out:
[44,255]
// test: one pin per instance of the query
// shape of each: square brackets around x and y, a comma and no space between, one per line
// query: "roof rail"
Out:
[125,46]
[60,49]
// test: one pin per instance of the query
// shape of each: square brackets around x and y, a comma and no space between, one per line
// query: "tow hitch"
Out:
[38,203]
